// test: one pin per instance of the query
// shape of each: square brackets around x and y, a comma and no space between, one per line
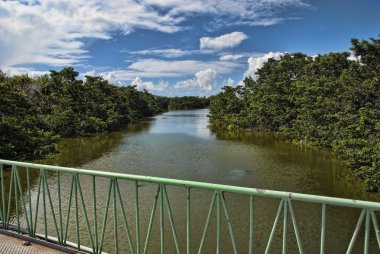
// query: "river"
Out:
[180,144]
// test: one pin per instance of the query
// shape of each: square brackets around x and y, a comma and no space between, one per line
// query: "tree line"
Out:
[188,102]
[36,112]
[327,100]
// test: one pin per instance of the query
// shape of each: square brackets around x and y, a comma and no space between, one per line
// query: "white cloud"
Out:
[252,12]
[163,68]
[10,71]
[256,62]
[229,82]
[224,41]
[205,80]
[168,53]
[52,32]
[140,85]
[231,57]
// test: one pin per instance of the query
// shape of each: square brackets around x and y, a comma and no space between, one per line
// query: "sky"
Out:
[174,47]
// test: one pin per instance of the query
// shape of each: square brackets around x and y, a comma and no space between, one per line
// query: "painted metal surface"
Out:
[21,203]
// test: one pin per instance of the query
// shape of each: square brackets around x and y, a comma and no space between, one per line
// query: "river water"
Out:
[180,144]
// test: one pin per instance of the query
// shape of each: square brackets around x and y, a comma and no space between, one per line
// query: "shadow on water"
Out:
[78,151]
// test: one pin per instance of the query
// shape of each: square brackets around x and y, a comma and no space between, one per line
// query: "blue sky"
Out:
[174,47]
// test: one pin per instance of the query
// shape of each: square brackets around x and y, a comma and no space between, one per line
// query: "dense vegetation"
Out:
[36,112]
[188,102]
[327,101]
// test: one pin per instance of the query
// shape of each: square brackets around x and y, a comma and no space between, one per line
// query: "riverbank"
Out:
[37,112]
[329,101]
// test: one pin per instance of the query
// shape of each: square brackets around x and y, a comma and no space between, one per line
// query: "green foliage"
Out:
[327,101]
[187,102]
[36,112]
[225,108]
[23,133]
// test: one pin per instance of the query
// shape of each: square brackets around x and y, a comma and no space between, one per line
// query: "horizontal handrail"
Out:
[209,186]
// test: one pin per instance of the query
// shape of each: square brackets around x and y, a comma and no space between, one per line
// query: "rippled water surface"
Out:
[180,145]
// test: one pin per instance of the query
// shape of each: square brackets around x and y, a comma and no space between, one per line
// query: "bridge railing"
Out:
[23,205]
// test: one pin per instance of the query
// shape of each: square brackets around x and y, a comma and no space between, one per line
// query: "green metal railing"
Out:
[29,203]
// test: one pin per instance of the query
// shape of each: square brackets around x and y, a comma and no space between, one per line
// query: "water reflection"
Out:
[181,145]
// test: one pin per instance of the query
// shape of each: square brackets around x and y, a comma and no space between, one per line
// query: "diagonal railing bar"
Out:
[129,237]
[207,222]
[115,218]
[229,223]
[376,227]
[31,228]
[76,210]
[274,226]
[44,202]
[84,212]
[52,208]
[95,214]
[171,218]
[16,198]
[9,200]
[59,207]
[17,178]
[295,227]
[105,216]
[37,204]
[356,232]
[150,225]
[137,217]
[285,205]
[23,207]
[69,208]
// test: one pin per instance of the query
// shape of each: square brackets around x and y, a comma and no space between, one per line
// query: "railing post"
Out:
[95,214]
[366,234]
[115,218]
[285,226]
[218,223]
[188,221]
[162,229]
[250,250]
[137,217]
[17,195]
[323,229]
